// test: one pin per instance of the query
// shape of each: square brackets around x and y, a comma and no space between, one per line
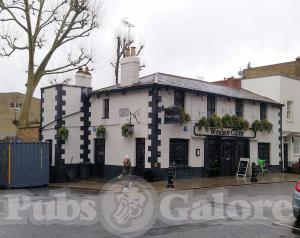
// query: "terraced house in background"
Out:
[281,82]
[159,120]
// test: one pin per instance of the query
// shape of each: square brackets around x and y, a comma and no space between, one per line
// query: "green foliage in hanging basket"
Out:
[246,125]
[203,123]
[101,131]
[63,133]
[127,130]
[227,121]
[215,121]
[184,117]
[266,126]
[256,126]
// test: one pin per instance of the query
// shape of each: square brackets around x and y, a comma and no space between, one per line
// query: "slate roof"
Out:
[190,84]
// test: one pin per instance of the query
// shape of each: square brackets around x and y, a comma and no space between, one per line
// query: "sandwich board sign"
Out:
[243,167]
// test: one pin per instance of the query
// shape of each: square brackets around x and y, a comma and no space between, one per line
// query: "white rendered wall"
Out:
[116,145]
[266,86]
[48,115]
[73,123]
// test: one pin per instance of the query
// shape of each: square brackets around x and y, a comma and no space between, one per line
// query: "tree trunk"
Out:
[24,114]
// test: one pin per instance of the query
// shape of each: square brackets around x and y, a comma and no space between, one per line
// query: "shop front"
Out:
[222,155]
[223,149]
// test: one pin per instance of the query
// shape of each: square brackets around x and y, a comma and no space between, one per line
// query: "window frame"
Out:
[266,154]
[263,111]
[179,158]
[179,99]
[289,110]
[239,111]
[211,105]
[105,108]
[296,141]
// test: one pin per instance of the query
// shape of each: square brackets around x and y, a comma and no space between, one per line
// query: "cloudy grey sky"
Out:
[209,38]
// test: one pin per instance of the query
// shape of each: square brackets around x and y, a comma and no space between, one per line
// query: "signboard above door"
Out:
[224,132]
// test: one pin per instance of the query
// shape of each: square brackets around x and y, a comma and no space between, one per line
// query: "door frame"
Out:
[285,155]
[140,170]
[99,167]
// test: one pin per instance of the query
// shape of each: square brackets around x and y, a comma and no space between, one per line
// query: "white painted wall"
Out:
[73,123]
[266,86]
[49,113]
[116,145]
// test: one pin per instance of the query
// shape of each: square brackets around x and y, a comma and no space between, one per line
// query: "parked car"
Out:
[296,201]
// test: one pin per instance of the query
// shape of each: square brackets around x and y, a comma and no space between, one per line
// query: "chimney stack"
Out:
[83,78]
[130,68]
[297,67]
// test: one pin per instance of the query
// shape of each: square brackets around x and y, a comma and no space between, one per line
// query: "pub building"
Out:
[154,120]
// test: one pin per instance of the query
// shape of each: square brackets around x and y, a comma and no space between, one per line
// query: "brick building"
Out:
[10,106]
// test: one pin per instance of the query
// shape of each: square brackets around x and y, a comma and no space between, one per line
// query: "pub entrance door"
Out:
[222,155]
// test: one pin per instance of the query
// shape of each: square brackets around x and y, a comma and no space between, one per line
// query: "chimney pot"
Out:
[127,52]
[133,51]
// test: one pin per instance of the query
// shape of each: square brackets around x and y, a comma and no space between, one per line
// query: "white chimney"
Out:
[83,78]
[130,68]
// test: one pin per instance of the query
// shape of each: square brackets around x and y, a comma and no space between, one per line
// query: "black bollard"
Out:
[171,177]
[254,173]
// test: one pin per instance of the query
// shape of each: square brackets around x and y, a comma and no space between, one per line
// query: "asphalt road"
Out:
[227,219]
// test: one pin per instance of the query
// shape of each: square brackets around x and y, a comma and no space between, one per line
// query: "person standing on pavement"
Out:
[126,173]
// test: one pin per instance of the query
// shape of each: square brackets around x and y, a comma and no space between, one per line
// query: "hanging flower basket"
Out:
[203,123]
[184,117]
[63,133]
[127,130]
[101,131]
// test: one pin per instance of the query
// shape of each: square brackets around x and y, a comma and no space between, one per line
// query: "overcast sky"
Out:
[193,38]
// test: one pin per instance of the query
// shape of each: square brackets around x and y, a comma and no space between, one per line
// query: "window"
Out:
[239,107]
[289,112]
[263,111]
[106,108]
[179,99]
[15,105]
[211,105]
[296,146]
[264,152]
[179,152]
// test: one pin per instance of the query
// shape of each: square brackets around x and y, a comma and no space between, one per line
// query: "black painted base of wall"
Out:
[275,169]
[72,172]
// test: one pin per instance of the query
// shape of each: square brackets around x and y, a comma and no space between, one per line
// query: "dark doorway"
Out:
[222,155]
[179,153]
[286,156]
[50,152]
[140,157]
[264,152]
[227,158]
[212,157]
[99,154]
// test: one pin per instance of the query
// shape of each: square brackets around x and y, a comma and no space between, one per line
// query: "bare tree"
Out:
[43,27]
[122,43]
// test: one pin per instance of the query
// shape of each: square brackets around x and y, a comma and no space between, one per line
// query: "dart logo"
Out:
[129,206]
[127,211]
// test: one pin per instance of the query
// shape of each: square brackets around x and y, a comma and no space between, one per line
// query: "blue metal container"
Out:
[24,165]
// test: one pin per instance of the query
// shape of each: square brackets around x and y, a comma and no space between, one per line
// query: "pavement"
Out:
[186,184]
